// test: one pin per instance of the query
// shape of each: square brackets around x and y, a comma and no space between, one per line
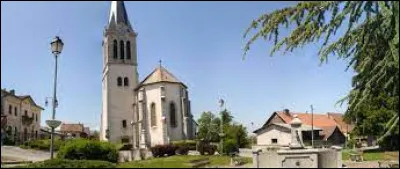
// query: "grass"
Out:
[178,162]
[374,155]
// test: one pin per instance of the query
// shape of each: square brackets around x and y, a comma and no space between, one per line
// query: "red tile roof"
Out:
[327,122]
[72,128]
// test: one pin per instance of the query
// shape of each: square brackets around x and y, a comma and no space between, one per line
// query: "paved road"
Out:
[18,154]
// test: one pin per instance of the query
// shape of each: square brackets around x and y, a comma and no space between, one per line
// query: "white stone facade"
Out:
[266,136]
[127,108]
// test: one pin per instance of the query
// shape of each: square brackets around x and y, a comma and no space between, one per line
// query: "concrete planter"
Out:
[124,156]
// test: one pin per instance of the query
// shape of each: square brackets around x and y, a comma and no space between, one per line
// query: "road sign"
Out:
[53,123]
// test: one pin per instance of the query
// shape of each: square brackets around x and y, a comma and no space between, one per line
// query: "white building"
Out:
[158,107]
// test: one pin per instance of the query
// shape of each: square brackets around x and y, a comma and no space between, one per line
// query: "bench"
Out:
[199,162]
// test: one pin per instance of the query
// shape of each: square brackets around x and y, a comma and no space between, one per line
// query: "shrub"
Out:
[205,147]
[125,147]
[230,146]
[8,141]
[191,144]
[183,150]
[62,163]
[42,144]
[161,150]
[88,150]
[210,149]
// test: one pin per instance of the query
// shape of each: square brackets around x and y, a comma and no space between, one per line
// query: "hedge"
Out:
[162,150]
[231,146]
[191,144]
[62,163]
[42,144]
[82,149]
[205,148]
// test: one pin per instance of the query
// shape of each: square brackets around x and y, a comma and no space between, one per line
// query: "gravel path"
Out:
[17,154]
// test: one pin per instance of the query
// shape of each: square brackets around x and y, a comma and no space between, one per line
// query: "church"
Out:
[153,111]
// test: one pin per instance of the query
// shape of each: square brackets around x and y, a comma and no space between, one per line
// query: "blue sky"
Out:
[199,42]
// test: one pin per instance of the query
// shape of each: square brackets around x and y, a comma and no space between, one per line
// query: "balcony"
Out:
[26,120]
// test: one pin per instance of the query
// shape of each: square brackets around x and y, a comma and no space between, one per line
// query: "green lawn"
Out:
[374,156]
[178,162]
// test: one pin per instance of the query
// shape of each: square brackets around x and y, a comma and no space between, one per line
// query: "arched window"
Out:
[36,117]
[121,48]
[126,81]
[153,114]
[115,49]
[123,123]
[10,109]
[128,50]
[172,114]
[119,81]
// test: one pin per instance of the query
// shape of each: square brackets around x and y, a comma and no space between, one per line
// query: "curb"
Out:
[16,162]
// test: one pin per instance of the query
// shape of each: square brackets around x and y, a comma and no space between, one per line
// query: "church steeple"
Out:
[118,14]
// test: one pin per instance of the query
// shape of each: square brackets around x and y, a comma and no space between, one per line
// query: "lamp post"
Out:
[221,134]
[56,48]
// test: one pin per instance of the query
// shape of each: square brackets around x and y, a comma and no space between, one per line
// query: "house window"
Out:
[121,48]
[119,81]
[124,123]
[115,49]
[153,114]
[10,109]
[36,117]
[15,111]
[128,50]
[126,81]
[274,141]
[172,114]
[26,113]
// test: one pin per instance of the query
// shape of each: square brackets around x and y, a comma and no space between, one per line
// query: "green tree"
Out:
[237,132]
[208,127]
[370,43]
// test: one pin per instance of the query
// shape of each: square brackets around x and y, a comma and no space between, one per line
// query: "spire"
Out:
[118,13]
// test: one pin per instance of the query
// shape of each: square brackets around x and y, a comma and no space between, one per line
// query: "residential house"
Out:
[328,128]
[23,116]
[73,130]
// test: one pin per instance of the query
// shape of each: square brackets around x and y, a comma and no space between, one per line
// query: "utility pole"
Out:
[312,126]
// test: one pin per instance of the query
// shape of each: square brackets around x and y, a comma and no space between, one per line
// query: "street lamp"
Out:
[56,48]
[221,134]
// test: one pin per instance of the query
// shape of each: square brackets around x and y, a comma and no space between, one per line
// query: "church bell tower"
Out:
[119,77]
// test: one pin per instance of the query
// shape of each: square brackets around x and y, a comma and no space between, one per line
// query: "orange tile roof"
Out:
[72,128]
[343,126]
[327,122]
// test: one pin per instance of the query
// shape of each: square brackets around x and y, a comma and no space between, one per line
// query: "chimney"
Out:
[12,91]
[286,111]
